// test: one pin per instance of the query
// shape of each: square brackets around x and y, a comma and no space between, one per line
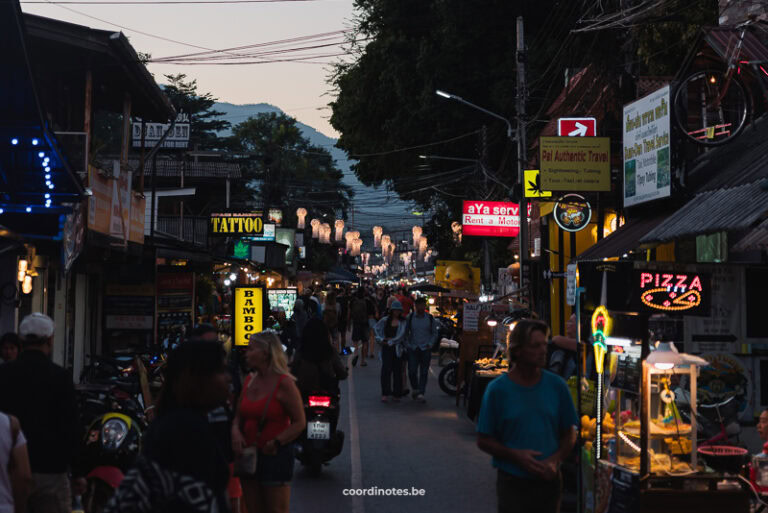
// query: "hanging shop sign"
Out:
[572,212]
[687,293]
[235,224]
[646,148]
[575,163]
[268,235]
[577,127]
[248,313]
[533,185]
[491,218]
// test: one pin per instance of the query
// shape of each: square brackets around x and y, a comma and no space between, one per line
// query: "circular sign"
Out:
[572,212]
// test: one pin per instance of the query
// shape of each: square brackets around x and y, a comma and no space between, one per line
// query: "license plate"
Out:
[319,431]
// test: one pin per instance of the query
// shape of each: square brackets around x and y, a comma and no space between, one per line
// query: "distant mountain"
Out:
[369,210]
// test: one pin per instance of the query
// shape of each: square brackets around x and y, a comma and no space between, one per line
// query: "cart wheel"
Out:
[447,378]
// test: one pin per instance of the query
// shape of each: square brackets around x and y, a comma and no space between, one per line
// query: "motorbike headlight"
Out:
[113,434]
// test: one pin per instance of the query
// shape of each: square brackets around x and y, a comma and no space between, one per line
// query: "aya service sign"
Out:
[646,148]
[491,218]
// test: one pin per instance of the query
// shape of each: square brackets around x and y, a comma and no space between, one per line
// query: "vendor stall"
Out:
[639,446]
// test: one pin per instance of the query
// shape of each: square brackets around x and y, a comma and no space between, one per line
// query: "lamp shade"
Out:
[666,356]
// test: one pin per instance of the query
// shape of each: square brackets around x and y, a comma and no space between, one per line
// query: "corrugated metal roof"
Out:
[714,211]
[172,168]
[756,239]
[625,239]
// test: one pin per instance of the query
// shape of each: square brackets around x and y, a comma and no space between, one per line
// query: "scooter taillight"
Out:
[320,400]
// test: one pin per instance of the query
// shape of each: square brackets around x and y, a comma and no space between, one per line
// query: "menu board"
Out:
[628,372]
[285,298]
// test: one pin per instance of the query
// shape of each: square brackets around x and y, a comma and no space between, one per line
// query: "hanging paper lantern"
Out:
[417,231]
[325,233]
[377,231]
[349,236]
[422,246]
[456,227]
[339,225]
[315,224]
[301,214]
[428,255]
[385,241]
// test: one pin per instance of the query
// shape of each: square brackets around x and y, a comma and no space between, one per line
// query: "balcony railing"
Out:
[193,229]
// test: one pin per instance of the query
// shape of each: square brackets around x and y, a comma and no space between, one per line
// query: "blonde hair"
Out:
[521,335]
[270,342]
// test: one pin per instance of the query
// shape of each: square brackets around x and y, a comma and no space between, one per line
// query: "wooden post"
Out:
[126,139]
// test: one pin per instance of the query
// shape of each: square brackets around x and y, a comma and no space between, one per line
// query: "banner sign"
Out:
[236,224]
[113,209]
[283,298]
[572,212]
[491,218]
[646,148]
[575,163]
[248,313]
[178,138]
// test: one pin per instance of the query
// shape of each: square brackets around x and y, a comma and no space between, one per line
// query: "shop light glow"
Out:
[23,266]
[26,286]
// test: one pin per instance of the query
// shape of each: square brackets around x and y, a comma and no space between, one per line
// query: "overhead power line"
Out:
[164,2]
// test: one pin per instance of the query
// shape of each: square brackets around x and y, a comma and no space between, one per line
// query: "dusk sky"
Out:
[300,89]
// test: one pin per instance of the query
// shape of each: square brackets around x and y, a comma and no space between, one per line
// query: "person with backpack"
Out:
[421,336]
[358,311]
[331,319]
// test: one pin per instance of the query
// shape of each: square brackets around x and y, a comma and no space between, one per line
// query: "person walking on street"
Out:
[358,311]
[421,335]
[183,465]
[390,334]
[270,416]
[15,474]
[10,347]
[405,300]
[42,396]
[331,319]
[527,422]
[343,301]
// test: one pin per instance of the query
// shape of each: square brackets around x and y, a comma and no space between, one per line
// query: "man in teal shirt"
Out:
[528,424]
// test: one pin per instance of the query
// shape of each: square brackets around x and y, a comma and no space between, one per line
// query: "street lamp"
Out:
[523,205]
[477,107]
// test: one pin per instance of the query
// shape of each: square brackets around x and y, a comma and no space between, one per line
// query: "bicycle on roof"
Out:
[712,106]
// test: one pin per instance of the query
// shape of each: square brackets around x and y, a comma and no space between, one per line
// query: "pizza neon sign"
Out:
[671,291]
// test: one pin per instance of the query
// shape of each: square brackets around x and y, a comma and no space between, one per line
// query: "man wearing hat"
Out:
[42,396]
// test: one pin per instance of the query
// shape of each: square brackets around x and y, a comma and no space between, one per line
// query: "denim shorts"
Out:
[276,470]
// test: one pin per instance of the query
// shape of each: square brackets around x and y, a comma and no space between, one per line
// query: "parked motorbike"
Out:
[321,440]
[448,355]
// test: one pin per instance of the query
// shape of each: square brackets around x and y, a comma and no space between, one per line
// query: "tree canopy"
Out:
[204,121]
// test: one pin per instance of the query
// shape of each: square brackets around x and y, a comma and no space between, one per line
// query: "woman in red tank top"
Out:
[270,415]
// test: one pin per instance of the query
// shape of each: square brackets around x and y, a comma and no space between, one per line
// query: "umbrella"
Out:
[428,287]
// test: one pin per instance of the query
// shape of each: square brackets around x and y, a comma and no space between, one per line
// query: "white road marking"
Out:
[356,478]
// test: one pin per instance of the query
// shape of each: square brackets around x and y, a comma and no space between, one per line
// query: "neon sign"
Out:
[672,292]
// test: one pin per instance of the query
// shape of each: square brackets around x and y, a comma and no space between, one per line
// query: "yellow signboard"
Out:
[533,185]
[575,163]
[247,317]
[233,224]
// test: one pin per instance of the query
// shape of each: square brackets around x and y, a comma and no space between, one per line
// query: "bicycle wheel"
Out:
[710,109]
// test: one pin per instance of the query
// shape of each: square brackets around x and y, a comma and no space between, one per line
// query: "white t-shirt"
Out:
[6,442]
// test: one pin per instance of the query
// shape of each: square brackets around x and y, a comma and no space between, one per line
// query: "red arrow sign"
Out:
[577,127]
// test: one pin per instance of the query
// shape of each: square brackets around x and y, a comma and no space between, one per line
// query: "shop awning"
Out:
[714,211]
[623,240]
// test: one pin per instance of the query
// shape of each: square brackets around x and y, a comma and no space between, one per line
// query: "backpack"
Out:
[359,310]
[331,317]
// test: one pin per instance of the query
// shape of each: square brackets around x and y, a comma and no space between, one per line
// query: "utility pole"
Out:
[522,153]
[488,281]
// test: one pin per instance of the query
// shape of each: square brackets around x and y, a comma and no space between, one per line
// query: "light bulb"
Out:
[29,209]
[21,275]
[227,283]
[233,277]
[14,141]
[47,169]
[41,154]
[23,266]
[47,195]
[35,142]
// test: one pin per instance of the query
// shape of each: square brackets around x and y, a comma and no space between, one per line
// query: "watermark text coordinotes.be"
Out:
[375,491]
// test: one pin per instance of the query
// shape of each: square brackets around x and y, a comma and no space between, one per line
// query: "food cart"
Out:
[639,448]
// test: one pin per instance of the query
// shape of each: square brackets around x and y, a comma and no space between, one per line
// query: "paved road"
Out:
[407,445]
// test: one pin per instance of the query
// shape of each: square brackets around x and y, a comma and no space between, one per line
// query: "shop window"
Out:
[712,248]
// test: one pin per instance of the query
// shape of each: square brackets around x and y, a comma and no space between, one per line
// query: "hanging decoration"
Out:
[428,255]
[416,231]
[339,225]
[315,223]
[349,236]
[301,214]
[377,231]
[325,233]
[422,246]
